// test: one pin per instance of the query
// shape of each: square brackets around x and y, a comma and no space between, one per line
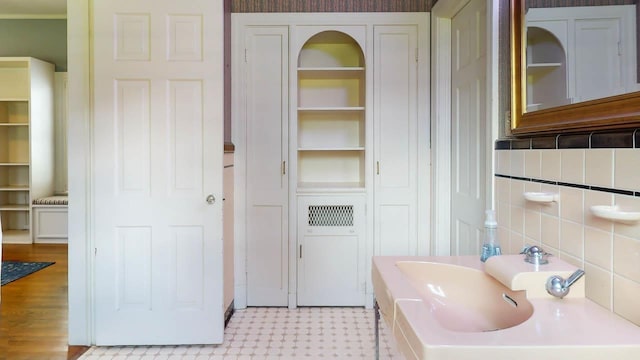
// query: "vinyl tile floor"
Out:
[277,333]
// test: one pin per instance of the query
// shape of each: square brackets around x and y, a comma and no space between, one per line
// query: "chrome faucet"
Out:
[535,255]
[559,287]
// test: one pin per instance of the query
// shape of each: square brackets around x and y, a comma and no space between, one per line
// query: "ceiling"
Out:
[33,8]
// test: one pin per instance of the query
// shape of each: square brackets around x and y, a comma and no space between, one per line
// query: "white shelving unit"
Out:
[26,142]
[546,70]
[331,114]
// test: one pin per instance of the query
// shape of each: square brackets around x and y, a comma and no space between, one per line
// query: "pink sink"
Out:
[465,299]
[449,308]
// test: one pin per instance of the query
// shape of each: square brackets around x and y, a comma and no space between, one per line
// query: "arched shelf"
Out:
[331,113]
[546,70]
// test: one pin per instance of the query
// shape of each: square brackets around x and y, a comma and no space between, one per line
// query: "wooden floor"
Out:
[34,310]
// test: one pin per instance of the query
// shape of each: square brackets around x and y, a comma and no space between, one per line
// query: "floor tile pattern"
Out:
[276,333]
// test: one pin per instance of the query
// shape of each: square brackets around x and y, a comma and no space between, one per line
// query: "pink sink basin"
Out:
[465,299]
[446,308]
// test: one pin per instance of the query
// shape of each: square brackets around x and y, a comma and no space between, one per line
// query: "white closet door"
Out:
[395,110]
[157,156]
[598,59]
[468,130]
[267,70]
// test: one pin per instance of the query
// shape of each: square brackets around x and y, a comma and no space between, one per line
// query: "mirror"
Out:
[559,85]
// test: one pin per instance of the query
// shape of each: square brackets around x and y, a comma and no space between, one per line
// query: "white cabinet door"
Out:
[395,112]
[157,157]
[331,269]
[267,106]
[598,59]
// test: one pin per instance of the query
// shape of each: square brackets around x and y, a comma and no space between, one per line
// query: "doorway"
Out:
[443,14]
[31,29]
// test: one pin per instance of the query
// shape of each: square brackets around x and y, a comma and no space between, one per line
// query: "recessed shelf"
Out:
[332,68]
[331,108]
[14,99]
[14,164]
[333,72]
[308,187]
[544,65]
[7,207]
[16,236]
[14,188]
[359,148]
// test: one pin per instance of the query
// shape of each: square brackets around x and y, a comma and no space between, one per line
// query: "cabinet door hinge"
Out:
[245,55]
[284,168]
[619,48]
[416,54]
[300,251]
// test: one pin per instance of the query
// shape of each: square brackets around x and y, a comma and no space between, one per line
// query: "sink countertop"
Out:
[558,328]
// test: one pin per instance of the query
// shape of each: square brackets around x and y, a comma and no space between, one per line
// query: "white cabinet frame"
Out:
[327,20]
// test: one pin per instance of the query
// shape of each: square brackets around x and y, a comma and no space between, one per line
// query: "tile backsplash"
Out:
[585,170]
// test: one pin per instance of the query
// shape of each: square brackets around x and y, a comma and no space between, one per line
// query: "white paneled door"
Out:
[469,128]
[157,171]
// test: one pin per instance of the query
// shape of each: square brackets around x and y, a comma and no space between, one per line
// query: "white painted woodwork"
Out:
[331,157]
[469,126]
[331,269]
[50,225]
[329,87]
[227,231]
[157,142]
[80,247]
[395,122]
[598,59]
[331,108]
[26,142]
[60,98]
[267,104]
[596,48]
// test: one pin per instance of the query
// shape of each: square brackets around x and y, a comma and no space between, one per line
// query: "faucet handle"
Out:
[559,287]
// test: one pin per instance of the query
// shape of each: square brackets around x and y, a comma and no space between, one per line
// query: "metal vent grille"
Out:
[331,215]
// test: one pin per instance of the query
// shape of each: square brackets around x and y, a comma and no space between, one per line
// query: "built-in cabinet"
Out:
[26,142]
[576,54]
[331,137]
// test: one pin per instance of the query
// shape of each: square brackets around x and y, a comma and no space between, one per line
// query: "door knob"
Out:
[211,199]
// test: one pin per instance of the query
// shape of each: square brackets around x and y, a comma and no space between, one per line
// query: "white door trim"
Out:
[441,14]
[79,158]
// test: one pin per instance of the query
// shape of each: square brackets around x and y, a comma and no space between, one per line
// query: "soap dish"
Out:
[541,197]
[614,213]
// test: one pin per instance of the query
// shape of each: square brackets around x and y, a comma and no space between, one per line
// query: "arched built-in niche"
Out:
[546,70]
[331,113]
